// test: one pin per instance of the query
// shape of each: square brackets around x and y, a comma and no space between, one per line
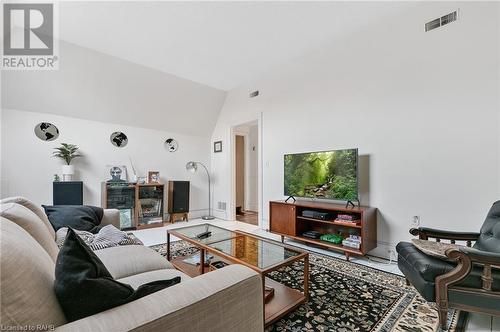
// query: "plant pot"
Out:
[67,172]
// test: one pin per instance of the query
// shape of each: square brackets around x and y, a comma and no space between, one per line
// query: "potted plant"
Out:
[67,152]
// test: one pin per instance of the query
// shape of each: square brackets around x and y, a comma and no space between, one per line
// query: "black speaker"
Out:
[178,196]
[67,193]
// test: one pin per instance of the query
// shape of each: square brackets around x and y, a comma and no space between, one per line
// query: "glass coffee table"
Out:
[235,247]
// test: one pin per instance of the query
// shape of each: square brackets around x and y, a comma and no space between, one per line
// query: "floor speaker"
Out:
[67,193]
[178,197]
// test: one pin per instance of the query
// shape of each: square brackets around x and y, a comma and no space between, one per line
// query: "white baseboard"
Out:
[252,207]
[384,250]
[193,214]
[220,214]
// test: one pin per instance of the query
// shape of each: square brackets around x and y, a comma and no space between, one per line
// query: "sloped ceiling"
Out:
[167,65]
[223,44]
[95,86]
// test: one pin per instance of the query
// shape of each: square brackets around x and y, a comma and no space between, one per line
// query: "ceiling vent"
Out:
[443,20]
[254,94]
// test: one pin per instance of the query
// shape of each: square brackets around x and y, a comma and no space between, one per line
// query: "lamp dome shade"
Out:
[191,166]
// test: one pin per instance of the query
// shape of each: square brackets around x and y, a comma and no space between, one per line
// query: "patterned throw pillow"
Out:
[108,236]
[61,233]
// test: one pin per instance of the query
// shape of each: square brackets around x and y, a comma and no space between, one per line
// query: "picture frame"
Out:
[218,146]
[153,177]
[116,173]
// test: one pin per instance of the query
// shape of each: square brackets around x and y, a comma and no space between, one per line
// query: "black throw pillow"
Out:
[85,287]
[80,217]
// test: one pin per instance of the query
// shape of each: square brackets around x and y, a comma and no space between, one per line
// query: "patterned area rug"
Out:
[347,297]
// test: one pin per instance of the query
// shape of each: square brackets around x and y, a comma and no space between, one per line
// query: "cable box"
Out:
[318,215]
[312,234]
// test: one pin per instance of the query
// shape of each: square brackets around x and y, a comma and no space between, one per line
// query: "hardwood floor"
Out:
[248,217]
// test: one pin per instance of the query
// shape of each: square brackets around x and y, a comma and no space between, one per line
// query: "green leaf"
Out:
[66,152]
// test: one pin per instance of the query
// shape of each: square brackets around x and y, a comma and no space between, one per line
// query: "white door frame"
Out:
[233,133]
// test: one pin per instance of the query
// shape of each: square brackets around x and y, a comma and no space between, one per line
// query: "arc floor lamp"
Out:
[192,167]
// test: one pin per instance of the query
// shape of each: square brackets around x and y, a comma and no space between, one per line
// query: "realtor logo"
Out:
[28,36]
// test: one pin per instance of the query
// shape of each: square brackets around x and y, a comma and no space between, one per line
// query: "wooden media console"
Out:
[286,219]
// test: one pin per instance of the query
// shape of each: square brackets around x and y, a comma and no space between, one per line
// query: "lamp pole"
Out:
[209,217]
[191,166]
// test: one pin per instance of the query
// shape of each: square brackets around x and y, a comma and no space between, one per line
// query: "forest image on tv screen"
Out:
[330,174]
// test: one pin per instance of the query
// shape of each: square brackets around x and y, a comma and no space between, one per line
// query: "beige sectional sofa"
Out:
[229,299]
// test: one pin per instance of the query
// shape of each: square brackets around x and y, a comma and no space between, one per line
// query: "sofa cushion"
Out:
[418,265]
[85,287]
[80,217]
[27,279]
[225,300]
[36,209]
[139,279]
[111,217]
[30,222]
[124,261]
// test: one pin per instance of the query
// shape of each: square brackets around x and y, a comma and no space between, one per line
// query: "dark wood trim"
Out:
[444,281]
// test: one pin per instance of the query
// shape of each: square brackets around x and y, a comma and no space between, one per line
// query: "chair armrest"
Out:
[466,258]
[228,299]
[111,217]
[482,257]
[424,233]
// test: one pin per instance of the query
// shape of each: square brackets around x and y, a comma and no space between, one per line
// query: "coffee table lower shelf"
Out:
[282,301]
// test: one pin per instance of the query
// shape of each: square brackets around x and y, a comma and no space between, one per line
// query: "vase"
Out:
[67,172]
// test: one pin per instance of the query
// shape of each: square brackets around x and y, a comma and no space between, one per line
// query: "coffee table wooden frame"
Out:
[284,299]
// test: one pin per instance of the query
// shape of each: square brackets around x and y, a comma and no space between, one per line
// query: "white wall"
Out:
[421,107]
[27,167]
[498,100]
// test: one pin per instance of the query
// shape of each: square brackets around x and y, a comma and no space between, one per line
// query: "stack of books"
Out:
[353,241]
[346,218]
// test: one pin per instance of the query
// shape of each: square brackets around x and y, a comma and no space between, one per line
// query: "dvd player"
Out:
[318,215]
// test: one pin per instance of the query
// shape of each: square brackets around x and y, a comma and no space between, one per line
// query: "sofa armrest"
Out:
[229,299]
[111,217]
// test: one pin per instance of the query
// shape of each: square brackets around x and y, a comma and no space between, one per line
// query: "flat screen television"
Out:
[325,174]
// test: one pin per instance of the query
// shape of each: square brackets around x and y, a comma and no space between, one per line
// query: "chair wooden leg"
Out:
[443,317]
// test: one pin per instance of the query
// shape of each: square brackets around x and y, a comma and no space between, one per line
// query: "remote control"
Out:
[203,235]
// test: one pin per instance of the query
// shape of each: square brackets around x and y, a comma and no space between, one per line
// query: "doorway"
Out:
[246,156]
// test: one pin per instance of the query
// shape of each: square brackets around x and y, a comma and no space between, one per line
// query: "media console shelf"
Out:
[286,220]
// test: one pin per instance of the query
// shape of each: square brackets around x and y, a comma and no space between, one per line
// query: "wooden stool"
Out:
[178,216]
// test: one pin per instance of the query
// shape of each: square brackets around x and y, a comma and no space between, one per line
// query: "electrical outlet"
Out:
[392,254]
[415,221]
